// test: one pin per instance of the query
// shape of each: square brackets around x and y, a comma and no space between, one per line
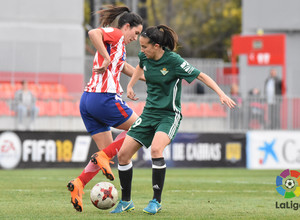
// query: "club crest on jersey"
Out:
[164,71]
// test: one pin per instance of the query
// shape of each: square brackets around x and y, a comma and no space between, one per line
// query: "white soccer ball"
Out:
[104,195]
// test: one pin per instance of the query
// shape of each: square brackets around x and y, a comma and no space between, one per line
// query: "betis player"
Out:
[158,124]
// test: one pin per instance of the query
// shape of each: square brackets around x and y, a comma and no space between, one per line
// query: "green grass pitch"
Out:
[210,193]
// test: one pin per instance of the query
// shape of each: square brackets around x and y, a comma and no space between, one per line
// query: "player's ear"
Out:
[127,26]
[156,46]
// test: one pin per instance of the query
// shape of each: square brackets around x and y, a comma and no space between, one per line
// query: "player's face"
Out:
[131,34]
[147,48]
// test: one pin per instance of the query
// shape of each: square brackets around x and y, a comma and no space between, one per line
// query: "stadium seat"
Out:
[59,91]
[5,110]
[66,108]
[204,110]
[76,110]
[53,108]
[190,110]
[6,91]
[217,110]
[45,91]
[42,105]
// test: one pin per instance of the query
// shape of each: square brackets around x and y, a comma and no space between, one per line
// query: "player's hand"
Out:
[131,94]
[102,68]
[228,101]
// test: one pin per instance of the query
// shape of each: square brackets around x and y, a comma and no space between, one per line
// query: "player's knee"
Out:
[123,158]
[156,152]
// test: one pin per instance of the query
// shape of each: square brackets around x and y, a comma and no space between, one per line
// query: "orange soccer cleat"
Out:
[103,162]
[76,188]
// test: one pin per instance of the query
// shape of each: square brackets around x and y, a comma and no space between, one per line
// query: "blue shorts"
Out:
[100,111]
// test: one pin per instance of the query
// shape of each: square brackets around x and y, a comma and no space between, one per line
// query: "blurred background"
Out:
[250,48]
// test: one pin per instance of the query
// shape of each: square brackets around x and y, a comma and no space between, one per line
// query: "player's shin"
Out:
[88,173]
[114,147]
[158,177]
[125,175]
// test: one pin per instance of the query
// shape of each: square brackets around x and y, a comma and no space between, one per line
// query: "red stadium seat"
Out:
[218,110]
[66,108]
[204,110]
[76,110]
[4,109]
[190,110]
[42,105]
[53,108]
[59,91]
[6,91]
[45,91]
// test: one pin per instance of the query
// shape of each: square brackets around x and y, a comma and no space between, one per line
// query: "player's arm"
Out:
[129,70]
[214,86]
[96,37]
[137,74]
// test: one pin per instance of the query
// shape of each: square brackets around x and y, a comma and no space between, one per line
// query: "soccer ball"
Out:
[104,195]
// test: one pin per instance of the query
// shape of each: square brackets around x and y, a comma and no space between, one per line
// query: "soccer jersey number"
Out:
[137,122]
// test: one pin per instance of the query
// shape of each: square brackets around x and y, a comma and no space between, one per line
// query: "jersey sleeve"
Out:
[111,35]
[142,59]
[184,70]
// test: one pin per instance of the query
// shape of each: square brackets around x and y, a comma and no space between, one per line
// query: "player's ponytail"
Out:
[122,13]
[162,35]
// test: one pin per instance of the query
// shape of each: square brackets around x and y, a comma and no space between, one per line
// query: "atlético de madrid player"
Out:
[101,105]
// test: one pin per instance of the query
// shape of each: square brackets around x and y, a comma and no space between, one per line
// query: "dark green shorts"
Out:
[145,127]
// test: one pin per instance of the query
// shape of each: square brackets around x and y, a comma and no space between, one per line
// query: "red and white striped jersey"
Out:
[110,80]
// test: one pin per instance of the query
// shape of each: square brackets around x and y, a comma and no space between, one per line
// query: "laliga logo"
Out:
[288,183]
[10,150]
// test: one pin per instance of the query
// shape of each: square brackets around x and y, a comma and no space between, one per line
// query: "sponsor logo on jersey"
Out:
[187,67]
[164,71]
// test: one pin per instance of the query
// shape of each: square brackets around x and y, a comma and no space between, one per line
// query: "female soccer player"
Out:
[159,122]
[101,106]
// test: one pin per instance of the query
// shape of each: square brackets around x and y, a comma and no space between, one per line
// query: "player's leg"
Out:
[102,136]
[128,149]
[165,132]
[101,139]
[112,149]
[141,133]
[126,118]
[160,141]
[76,186]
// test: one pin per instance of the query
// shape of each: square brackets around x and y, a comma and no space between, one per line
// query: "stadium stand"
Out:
[52,99]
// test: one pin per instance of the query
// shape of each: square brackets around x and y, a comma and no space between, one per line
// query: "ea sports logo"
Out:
[10,150]
[288,183]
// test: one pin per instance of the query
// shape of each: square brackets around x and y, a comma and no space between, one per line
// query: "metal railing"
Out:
[201,113]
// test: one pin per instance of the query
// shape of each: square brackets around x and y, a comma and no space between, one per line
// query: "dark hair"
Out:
[162,35]
[107,16]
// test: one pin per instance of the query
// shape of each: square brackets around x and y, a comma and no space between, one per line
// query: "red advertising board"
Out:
[261,49]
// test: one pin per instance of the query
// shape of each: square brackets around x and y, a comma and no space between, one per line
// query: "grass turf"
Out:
[213,193]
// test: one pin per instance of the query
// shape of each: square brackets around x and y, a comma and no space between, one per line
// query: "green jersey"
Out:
[163,79]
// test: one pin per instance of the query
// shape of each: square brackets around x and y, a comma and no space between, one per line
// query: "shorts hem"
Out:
[138,141]
[125,119]
[99,131]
